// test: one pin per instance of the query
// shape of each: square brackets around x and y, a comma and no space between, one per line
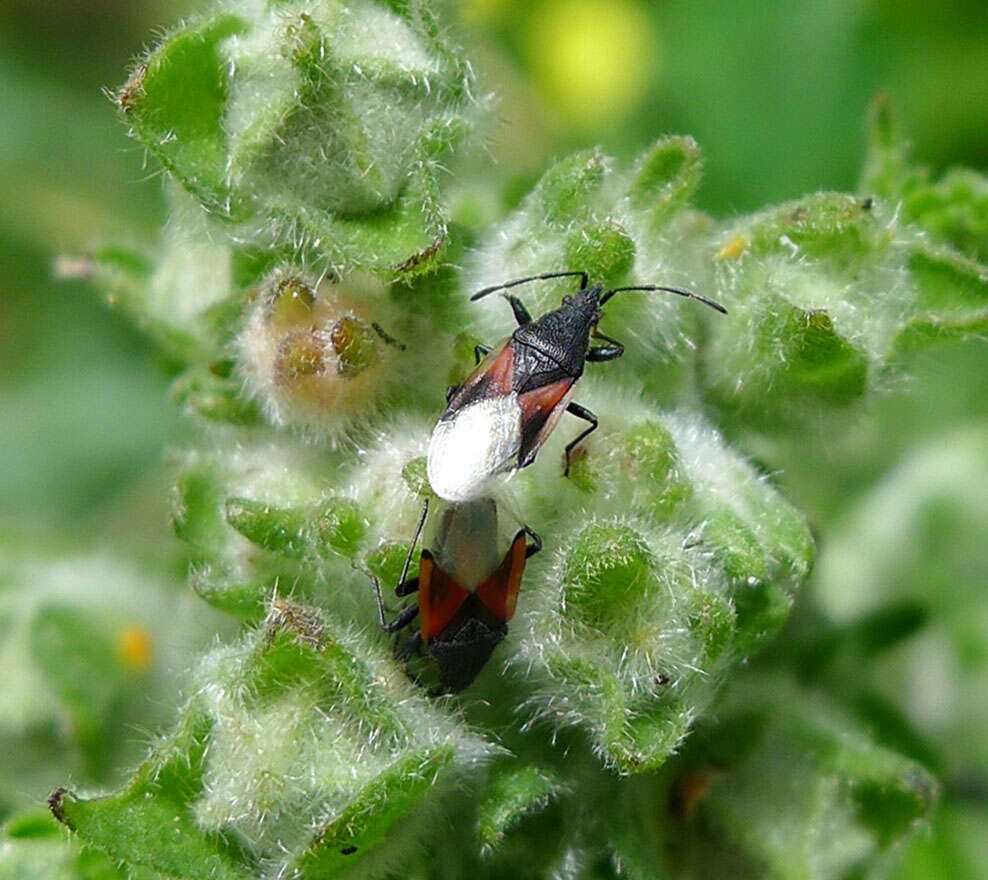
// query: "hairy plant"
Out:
[310,295]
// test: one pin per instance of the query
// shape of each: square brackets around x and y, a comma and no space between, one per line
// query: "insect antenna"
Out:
[584,280]
[679,291]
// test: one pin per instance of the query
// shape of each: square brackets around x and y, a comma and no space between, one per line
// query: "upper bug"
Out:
[498,419]
[467,585]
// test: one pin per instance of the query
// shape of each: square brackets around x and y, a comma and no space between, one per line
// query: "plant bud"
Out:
[317,356]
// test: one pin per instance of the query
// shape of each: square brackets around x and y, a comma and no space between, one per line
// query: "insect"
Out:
[467,589]
[498,419]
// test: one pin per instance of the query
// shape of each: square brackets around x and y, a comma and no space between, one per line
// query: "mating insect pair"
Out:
[496,422]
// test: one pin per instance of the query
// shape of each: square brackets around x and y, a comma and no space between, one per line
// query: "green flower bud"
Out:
[325,122]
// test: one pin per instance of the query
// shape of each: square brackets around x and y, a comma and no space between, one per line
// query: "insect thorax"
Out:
[542,356]
[559,339]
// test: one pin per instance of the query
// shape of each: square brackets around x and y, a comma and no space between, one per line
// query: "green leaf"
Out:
[806,769]
[196,510]
[827,225]
[665,178]
[387,560]
[281,531]
[646,741]
[609,569]
[124,277]
[401,241]
[567,190]
[31,826]
[953,209]
[825,294]
[366,821]
[651,607]
[179,293]
[953,299]
[298,647]
[814,358]
[629,631]
[333,526]
[227,592]
[213,398]
[654,461]
[886,171]
[76,653]
[339,525]
[948,284]
[151,822]
[603,249]
[175,104]
[34,848]
[513,793]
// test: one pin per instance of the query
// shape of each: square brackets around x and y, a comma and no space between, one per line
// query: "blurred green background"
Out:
[775,92]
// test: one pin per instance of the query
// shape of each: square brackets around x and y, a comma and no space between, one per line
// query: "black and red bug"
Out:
[498,419]
[467,586]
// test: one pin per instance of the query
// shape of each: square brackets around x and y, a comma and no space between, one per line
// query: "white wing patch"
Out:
[480,441]
[469,548]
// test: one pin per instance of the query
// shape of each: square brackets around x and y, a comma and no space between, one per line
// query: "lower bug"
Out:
[467,587]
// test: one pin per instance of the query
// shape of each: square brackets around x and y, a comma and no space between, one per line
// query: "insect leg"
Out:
[518,307]
[405,585]
[406,588]
[584,280]
[479,353]
[409,648]
[404,617]
[536,545]
[609,352]
[581,413]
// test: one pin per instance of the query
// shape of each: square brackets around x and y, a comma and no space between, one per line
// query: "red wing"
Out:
[494,376]
[541,408]
[500,591]
[440,597]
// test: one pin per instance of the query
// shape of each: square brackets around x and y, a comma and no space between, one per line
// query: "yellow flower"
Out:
[592,58]
[135,648]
